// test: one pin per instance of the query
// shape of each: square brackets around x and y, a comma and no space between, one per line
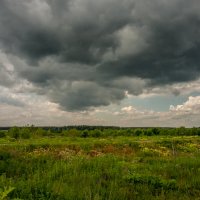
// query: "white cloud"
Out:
[38,110]
[128,109]
[192,105]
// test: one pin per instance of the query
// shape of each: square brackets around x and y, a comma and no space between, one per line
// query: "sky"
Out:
[105,62]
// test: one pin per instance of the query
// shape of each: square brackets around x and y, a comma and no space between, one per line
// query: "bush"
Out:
[153,181]
[2,134]
[138,132]
[85,134]
[25,133]
[73,133]
[96,133]
[40,132]
[14,132]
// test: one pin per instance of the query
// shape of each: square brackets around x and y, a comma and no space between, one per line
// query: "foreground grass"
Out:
[157,167]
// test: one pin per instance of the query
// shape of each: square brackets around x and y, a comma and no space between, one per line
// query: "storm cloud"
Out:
[84,53]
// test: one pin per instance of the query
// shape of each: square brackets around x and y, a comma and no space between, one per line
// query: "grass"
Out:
[121,167]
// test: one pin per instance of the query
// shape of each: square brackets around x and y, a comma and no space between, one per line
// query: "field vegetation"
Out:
[99,163]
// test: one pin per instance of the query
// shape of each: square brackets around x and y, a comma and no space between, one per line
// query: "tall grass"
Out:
[114,168]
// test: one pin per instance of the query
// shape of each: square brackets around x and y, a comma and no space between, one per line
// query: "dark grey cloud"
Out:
[77,32]
[82,95]
[173,45]
[86,53]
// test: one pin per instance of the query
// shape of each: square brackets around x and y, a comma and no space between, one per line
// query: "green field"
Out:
[75,165]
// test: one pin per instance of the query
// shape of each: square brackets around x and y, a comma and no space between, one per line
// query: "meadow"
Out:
[99,164]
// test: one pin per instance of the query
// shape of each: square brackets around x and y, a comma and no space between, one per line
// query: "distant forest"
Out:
[94,131]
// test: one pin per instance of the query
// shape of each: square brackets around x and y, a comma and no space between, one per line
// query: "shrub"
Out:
[73,133]
[154,181]
[138,132]
[25,133]
[40,132]
[85,134]
[96,133]
[14,132]
[2,134]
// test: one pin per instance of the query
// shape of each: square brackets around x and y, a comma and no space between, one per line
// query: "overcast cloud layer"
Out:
[82,54]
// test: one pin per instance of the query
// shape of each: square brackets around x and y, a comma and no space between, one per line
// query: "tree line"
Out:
[86,131]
